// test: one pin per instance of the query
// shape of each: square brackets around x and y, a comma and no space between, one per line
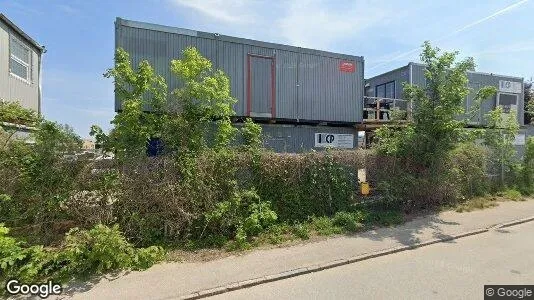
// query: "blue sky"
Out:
[79,37]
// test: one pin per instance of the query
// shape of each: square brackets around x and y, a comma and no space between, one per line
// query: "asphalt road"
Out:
[454,270]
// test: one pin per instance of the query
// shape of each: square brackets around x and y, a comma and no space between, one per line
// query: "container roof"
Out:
[12,25]
[217,36]
[423,65]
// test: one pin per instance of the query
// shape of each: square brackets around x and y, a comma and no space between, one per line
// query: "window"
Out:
[19,59]
[386,90]
[507,101]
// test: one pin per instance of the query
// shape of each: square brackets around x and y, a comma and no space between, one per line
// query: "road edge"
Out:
[340,262]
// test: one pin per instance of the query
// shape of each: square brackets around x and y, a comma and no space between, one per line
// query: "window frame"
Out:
[385,89]
[509,94]
[28,65]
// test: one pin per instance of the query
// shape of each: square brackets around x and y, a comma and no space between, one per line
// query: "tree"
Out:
[199,113]
[529,103]
[499,136]
[436,128]
[139,91]
[203,105]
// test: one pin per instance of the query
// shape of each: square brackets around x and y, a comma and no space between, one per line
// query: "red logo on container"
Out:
[347,66]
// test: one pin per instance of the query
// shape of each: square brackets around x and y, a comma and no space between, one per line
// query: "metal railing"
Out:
[379,109]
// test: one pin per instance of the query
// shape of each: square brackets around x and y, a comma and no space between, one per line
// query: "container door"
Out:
[261,86]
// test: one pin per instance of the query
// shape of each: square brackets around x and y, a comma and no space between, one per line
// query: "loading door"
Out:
[261,86]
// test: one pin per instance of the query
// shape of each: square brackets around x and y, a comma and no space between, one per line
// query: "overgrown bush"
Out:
[82,253]
[241,216]
[526,180]
[38,177]
[102,249]
[349,221]
[468,167]
[300,186]
[13,112]
[251,133]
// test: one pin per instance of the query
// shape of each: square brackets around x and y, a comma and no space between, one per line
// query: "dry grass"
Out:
[484,202]
[476,204]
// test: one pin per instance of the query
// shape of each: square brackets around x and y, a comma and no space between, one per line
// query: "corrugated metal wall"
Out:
[13,88]
[399,75]
[477,80]
[298,138]
[309,83]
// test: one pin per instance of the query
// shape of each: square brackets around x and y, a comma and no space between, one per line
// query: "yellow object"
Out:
[365,188]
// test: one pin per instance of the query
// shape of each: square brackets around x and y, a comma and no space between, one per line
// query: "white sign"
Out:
[510,86]
[334,140]
[520,140]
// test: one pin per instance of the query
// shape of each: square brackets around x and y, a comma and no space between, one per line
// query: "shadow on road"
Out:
[410,232]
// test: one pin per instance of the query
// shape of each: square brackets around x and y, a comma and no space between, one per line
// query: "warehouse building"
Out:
[304,99]
[389,88]
[20,66]
[313,92]
[510,92]
[20,73]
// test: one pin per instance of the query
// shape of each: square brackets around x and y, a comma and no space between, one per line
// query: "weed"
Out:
[511,194]
[477,203]
[301,231]
[385,218]
[349,222]
[325,226]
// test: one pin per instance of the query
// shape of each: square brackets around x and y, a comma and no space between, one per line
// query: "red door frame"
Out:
[273,82]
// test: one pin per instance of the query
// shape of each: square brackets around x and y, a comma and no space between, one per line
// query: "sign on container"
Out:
[334,140]
[510,86]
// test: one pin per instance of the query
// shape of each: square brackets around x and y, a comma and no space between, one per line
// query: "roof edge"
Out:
[227,38]
[477,72]
[40,47]
[390,71]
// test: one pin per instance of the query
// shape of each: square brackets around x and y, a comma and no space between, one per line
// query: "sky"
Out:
[79,37]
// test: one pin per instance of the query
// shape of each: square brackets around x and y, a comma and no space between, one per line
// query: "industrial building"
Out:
[271,81]
[20,66]
[510,92]
[20,71]
[303,98]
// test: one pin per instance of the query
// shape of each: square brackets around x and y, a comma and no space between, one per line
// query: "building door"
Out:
[261,86]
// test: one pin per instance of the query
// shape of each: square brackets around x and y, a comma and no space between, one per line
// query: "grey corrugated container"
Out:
[299,138]
[414,73]
[310,85]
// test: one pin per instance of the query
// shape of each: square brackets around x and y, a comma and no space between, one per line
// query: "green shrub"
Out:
[278,233]
[251,133]
[349,221]
[511,194]
[242,216]
[84,252]
[300,186]
[386,218]
[103,249]
[19,261]
[301,231]
[476,203]
[469,165]
[526,182]
[13,112]
[325,226]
